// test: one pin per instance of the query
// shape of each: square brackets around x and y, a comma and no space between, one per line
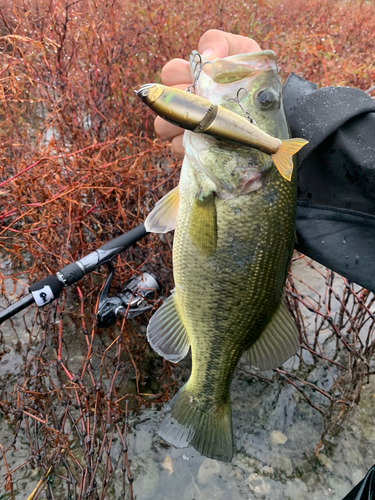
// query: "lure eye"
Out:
[268,99]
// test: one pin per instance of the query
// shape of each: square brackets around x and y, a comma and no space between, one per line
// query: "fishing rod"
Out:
[133,298]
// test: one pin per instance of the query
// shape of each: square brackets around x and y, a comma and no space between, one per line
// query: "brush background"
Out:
[80,164]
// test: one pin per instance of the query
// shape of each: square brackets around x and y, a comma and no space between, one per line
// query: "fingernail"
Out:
[208,53]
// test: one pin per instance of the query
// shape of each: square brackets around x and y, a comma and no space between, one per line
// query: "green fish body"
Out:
[234,235]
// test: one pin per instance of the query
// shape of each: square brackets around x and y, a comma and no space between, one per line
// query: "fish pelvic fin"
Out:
[283,157]
[166,333]
[277,343]
[164,216]
[209,432]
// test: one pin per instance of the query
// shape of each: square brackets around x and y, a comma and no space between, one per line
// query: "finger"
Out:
[165,129]
[177,144]
[176,72]
[216,43]
[171,132]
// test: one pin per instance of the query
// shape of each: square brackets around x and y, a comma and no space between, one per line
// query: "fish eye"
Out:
[268,99]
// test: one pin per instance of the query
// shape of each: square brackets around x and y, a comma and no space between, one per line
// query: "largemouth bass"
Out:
[233,215]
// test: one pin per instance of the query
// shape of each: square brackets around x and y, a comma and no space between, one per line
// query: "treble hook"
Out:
[191,88]
[237,101]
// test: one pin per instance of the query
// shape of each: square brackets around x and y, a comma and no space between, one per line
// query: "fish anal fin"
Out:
[209,431]
[203,225]
[277,343]
[164,215]
[283,157]
[166,333]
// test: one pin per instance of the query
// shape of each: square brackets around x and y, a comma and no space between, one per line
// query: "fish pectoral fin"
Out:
[277,343]
[163,217]
[203,225]
[166,333]
[283,157]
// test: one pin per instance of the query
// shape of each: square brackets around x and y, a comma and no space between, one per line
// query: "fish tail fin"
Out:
[208,431]
[283,156]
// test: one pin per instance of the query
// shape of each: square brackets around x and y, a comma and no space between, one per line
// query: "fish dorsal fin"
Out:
[163,217]
[166,333]
[203,225]
[277,343]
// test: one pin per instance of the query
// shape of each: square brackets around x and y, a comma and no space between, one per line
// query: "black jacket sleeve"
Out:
[336,176]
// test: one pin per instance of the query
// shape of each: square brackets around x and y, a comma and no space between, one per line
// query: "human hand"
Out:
[176,73]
